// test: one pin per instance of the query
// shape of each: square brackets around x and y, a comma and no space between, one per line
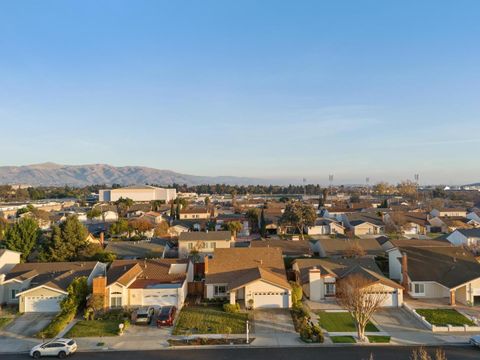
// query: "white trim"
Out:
[44,287]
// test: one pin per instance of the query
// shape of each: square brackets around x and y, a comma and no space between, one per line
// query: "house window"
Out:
[213,245]
[419,289]
[220,290]
[116,299]
[14,293]
[329,289]
[190,246]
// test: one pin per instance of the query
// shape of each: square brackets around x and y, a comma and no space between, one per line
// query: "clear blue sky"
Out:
[286,89]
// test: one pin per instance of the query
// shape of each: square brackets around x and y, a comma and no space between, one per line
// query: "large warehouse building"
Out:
[138,193]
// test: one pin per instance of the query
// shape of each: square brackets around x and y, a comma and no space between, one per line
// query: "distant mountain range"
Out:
[51,174]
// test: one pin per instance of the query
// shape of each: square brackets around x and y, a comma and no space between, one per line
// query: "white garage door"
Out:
[391,300]
[270,299]
[42,303]
[159,299]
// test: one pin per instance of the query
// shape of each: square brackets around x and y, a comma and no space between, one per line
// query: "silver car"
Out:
[56,347]
[143,315]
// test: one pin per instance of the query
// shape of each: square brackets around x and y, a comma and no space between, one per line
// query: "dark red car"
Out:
[166,316]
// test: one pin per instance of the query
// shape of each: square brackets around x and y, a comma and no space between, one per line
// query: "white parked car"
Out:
[56,347]
[475,340]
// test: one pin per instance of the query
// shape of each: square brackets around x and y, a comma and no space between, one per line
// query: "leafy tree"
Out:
[383,188]
[407,188]
[298,215]
[234,227]
[94,213]
[22,236]
[161,229]
[207,201]
[263,224]
[67,241]
[123,205]
[157,204]
[252,217]
[177,210]
[119,227]
[3,228]
[172,211]
[141,226]
[25,209]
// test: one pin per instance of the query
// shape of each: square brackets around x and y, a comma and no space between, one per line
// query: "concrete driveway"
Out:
[27,325]
[273,321]
[403,327]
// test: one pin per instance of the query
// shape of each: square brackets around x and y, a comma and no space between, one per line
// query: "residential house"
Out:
[325,226]
[152,282]
[176,230]
[39,287]
[289,248]
[8,260]
[195,213]
[319,278]
[469,237]
[436,271]
[255,276]
[153,217]
[364,224]
[155,248]
[449,212]
[204,243]
[338,247]
[474,214]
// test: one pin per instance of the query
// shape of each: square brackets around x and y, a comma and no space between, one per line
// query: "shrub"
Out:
[58,324]
[297,293]
[231,308]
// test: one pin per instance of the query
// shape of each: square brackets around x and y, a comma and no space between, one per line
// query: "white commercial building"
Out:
[138,193]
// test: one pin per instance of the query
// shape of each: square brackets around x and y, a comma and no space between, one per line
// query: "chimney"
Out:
[315,284]
[102,238]
[405,271]
[205,261]
[99,287]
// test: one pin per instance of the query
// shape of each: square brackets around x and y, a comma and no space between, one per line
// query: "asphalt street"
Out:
[337,353]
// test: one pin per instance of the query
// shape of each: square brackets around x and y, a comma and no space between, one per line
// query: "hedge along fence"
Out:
[75,300]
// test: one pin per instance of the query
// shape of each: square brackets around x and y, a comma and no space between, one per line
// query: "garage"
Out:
[43,303]
[160,298]
[271,299]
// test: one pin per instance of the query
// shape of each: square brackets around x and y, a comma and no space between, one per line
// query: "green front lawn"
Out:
[4,321]
[209,320]
[340,322]
[378,338]
[444,317]
[94,328]
[343,339]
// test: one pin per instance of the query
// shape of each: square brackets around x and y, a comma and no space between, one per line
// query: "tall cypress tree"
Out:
[263,225]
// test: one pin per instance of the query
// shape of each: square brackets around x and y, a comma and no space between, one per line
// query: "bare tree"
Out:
[354,250]
[361,298]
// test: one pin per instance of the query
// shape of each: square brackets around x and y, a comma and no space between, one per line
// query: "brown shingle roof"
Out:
[205,236]
[289,247]
[238,266]
[144,273]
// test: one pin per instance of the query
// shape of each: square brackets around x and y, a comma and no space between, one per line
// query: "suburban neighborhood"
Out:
[241,180]
[239,268]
